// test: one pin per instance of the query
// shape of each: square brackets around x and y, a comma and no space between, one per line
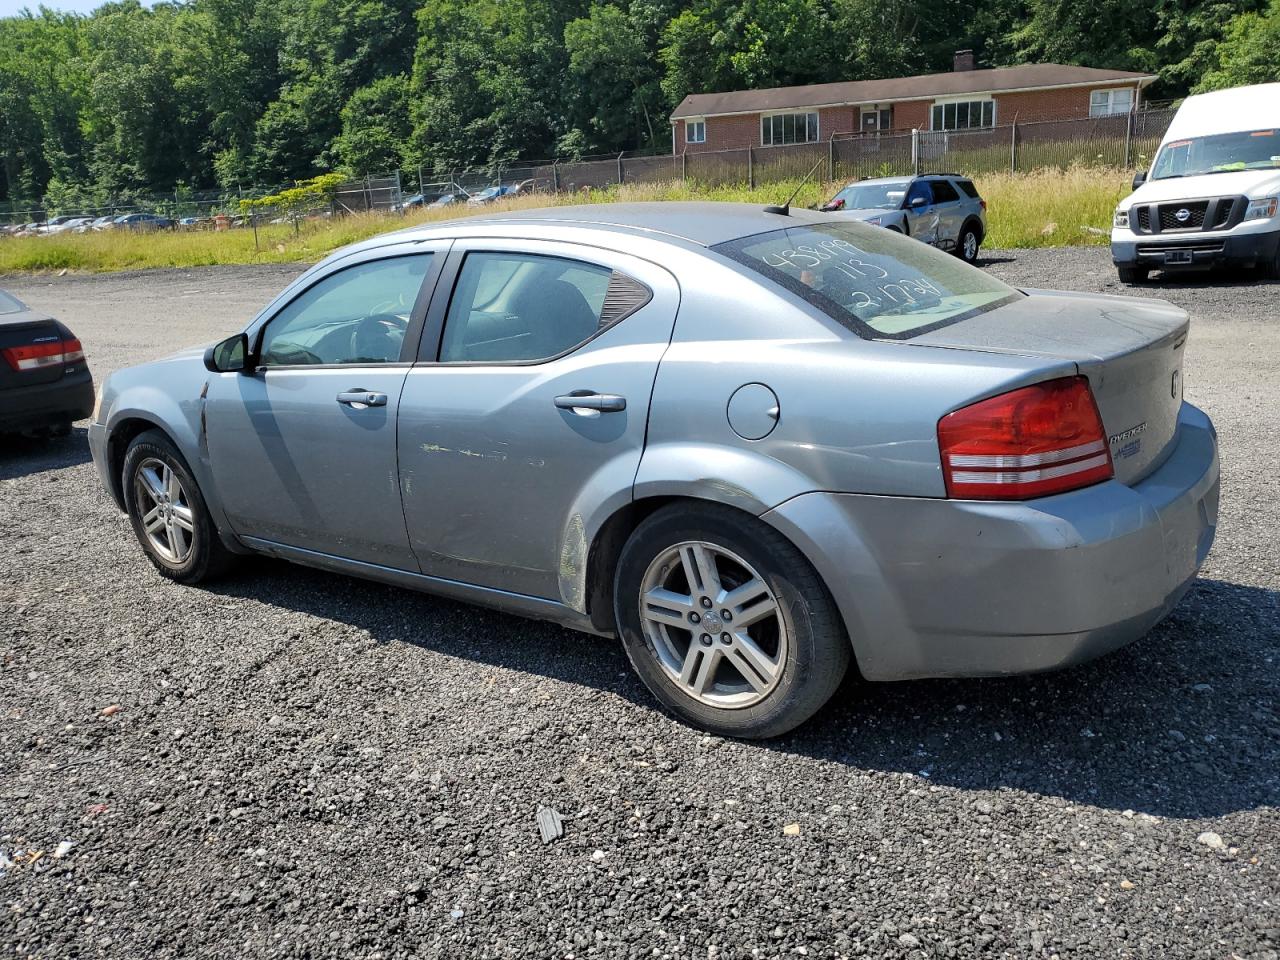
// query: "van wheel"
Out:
[1271,271]
[168,513]
[726,622]
[1133,275]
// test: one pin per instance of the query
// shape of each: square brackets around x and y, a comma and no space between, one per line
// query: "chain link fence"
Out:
[1126,141]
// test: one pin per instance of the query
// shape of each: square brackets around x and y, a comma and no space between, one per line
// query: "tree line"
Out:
[200,94]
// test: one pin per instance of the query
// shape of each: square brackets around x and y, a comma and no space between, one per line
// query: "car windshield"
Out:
[871,196]
[9,304]
[876,282]
[488,192]
[1223,153]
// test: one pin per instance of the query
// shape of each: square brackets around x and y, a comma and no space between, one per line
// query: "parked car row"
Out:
[74,224]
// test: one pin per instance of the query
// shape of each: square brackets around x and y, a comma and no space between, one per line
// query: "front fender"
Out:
[179,413]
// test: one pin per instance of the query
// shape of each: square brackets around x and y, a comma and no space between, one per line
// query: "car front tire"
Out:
[726,622]
[168,512]
[1133,275]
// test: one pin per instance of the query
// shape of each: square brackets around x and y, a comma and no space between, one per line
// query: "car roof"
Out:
[704,223]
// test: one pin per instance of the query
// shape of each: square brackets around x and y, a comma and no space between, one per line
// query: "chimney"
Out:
[963,61]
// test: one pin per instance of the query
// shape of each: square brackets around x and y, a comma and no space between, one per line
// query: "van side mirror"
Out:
[1139,179]
[229,356]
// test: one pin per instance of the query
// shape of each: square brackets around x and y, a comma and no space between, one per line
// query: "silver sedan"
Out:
[758,446]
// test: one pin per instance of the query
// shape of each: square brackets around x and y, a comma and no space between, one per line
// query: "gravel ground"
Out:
[304,765]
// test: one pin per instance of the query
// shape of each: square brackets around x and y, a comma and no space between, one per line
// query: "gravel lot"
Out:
[304,765]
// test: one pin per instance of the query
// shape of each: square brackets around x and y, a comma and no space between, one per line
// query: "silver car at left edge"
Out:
[759,446]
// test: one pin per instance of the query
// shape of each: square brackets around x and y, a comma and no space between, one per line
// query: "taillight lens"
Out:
[33,356]
[1027,443]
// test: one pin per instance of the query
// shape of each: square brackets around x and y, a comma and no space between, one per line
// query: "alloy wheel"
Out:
[970,245]
[165,510]
[715,625]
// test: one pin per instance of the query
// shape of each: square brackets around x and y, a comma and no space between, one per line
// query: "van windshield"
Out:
[1223,153]
[878,283]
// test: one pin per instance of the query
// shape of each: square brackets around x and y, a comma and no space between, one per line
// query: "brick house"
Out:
[962,99]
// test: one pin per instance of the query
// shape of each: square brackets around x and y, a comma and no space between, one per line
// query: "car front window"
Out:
[878,283]
[357,315]
[873,196]
[1223,153]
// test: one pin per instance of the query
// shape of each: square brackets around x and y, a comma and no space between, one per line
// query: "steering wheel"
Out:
[377,338]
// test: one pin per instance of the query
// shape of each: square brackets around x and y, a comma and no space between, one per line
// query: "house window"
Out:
[779,128]
[877,120]
[695,131]
[1104,103]
[964,115]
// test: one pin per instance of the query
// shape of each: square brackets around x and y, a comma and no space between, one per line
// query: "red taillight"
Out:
[1028,443]
[33,356]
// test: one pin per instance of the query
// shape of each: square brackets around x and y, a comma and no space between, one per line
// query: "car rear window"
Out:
[876,282]
[9,304]
[944,192]
[968,187]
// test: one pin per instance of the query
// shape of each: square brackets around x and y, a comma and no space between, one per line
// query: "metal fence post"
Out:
[1013,146]
[555,176]
[915,150]
[831,157]
[620,168]
[751,168]
[1128,137]
[684,167]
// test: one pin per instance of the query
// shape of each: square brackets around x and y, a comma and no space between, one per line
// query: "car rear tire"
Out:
[967,244]
[726,622]
[168,512]
[1133,275]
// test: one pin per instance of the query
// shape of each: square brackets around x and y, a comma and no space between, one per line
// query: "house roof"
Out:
[1029,76]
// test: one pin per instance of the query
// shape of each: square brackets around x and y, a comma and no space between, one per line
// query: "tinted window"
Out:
[519,307]
[878,283]
[943,192]
[357,315]
[968,187]
[919,189]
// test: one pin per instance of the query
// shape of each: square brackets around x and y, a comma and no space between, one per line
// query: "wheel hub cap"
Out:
[714,624]
[167,519]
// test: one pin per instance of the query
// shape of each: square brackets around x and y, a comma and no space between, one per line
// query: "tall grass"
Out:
[1042,208]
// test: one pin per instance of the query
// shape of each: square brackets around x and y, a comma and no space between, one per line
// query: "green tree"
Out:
[375,127]
[1249,53]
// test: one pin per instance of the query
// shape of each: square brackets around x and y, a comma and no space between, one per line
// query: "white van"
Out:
[1212,194]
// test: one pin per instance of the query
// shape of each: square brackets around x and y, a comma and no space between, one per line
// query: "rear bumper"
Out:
[1237,250]
[47,404]
[932,588]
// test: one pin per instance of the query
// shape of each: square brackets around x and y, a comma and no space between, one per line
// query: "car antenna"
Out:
[785,209]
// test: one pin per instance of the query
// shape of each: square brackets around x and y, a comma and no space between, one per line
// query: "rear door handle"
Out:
[360,399]
[588,400]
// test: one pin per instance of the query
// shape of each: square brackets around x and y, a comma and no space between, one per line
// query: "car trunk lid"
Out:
[1131,350]
[23,329]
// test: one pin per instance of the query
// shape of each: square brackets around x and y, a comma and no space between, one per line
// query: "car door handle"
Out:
[362,398]
[587,400]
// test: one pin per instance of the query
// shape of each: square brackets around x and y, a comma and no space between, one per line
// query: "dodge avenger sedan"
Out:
[757,445]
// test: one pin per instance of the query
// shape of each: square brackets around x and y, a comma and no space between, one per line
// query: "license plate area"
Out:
[1177,256]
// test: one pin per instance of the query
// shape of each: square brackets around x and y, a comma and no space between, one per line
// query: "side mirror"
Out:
[918,201]
[229,356]
[1139,179]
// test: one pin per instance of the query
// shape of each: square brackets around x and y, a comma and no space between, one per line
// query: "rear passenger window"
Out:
[968,187]
[944,192]
[518,307]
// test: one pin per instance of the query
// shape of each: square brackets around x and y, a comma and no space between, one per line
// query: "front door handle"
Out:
[589,400]
[360,399]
